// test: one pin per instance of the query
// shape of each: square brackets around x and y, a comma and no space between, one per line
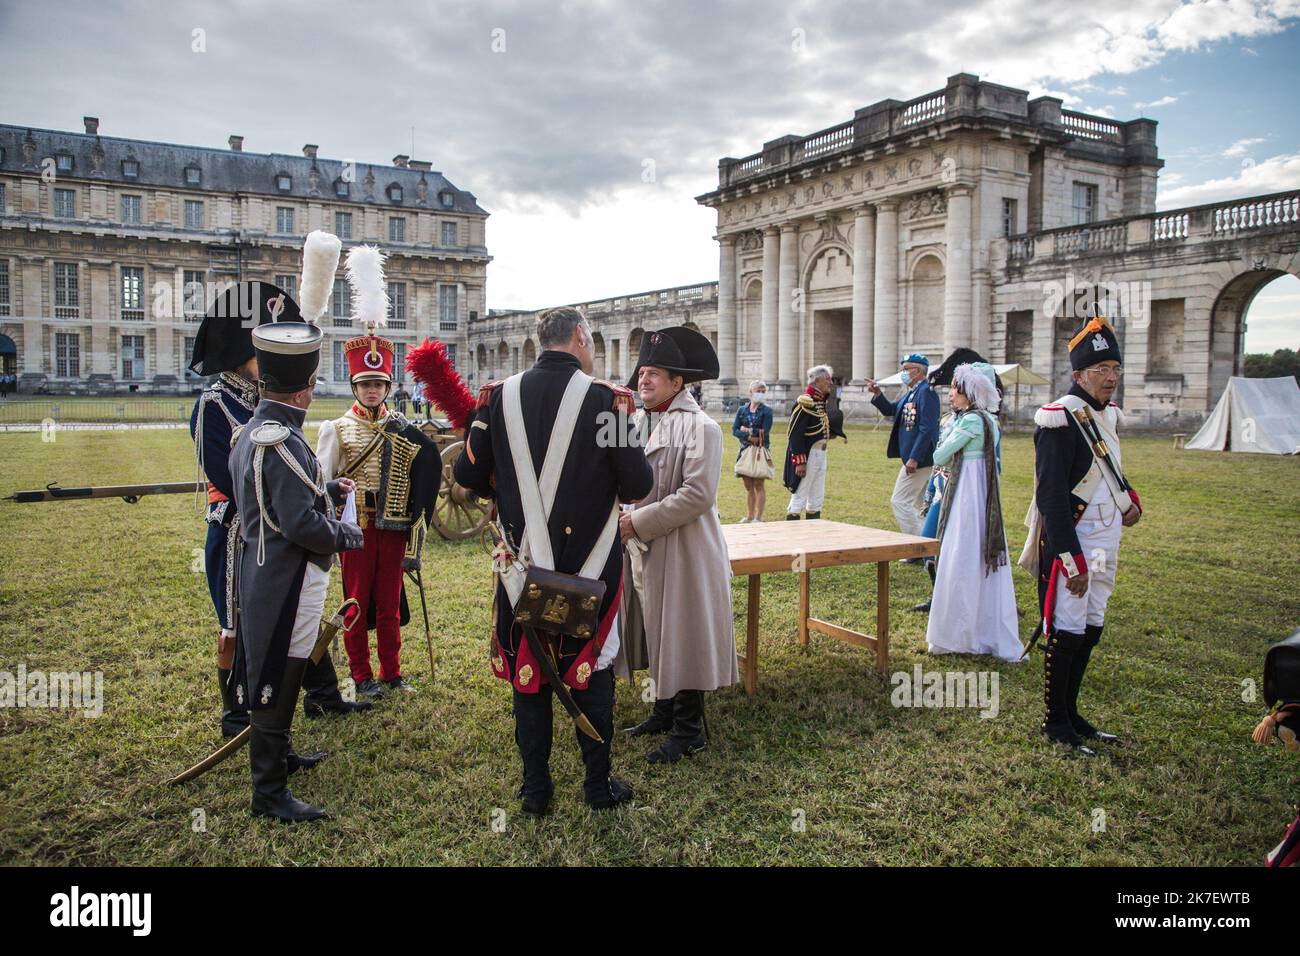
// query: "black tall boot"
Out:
[1091,635]
[790,517]
[233,720]
[533,736]
[599,789]
[1058,661]
[660,720]
[268,754]
[320,687]
[813,515]
[930,569]
[689,735]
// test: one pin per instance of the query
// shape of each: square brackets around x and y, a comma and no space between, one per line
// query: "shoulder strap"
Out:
[538,496]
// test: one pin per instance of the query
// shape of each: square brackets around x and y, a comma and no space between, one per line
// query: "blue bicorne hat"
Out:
[916,357]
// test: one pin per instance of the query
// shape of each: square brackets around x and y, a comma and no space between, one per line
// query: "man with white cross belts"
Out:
[1082,501]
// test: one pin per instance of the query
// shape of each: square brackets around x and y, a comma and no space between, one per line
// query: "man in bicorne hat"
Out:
[288,539]
[1082,502]
[397,471]
[223,346]
[676,619]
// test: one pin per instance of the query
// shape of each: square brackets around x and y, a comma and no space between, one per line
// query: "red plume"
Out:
[429,365]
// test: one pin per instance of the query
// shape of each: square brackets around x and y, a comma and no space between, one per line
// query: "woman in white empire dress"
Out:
[973,610]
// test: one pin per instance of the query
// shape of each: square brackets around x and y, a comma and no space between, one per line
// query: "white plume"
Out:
[320,260]
[365,268]
[976,382]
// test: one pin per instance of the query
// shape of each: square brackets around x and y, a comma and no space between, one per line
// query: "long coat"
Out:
[684,622]
[269,591]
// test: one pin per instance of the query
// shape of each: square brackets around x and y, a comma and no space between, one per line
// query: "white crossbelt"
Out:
[537,495]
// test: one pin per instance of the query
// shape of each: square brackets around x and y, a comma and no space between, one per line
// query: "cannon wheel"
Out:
[459,514]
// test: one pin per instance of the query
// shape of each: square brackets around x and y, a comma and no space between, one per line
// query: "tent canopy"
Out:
[1260,415]
[1010,374]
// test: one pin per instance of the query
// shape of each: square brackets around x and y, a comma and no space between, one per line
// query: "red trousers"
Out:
[375,573]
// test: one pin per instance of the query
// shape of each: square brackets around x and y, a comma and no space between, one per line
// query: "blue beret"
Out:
[916,357]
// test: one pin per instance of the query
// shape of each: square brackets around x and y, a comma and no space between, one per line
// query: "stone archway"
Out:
[481,363]
[504,365]
[530,353]
[826,316]
[634,346]
[927,303]
[1228,327]
[750,332]
[598,347]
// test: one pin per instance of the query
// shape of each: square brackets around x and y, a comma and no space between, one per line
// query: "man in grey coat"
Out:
[288,538]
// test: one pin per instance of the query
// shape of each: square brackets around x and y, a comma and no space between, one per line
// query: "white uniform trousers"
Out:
[311,605]
[812,487]
[1099,533]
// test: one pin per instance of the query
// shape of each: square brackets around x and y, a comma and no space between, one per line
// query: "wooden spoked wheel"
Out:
[459,513]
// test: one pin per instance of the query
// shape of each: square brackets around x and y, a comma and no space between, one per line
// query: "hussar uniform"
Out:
[809,433]
[397,472]
[1075,522]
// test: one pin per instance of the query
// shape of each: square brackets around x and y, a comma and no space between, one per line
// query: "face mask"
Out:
[759,398]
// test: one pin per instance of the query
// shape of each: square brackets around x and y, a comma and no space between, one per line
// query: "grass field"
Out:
[1206,582]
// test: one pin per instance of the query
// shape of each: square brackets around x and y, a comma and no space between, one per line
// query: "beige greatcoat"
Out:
[684,620]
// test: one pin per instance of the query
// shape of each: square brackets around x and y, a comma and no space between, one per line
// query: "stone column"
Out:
[864,291]
[957,274]
[788,319]
[727,310]
[886,305]
[771,296]
[36,275]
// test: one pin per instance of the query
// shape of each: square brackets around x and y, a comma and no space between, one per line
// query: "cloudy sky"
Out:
[586,128]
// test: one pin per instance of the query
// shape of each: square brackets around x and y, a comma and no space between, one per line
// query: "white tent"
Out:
[1259,415]
[1010,374]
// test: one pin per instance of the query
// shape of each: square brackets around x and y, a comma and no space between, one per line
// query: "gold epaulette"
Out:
[624,401]
[806,401]
[485,393]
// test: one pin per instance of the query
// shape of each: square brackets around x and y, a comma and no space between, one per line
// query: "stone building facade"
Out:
[505,342]
[110,250]
[976,216]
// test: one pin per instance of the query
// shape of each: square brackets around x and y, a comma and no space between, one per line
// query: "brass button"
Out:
[568,530]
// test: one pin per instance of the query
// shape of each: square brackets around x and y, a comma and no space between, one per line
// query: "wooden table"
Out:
[800,546]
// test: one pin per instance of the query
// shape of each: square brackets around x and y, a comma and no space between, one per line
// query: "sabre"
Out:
[128,493]
[418,578]
[328,629]
[561,691]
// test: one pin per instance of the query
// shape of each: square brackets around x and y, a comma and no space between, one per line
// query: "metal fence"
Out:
[77,410]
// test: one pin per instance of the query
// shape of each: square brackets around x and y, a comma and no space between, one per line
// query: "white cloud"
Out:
[1163,101]
[1240,147]
[1273,175]
[1273,318]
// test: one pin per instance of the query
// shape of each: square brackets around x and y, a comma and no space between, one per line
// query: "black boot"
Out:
[599,789]
[232,720]
[689,735]
[533,736]
[268,754]
[660,720]
[1091,635]
[790,517]
[930,570]
[320,691]
[812,515]
[1058,661]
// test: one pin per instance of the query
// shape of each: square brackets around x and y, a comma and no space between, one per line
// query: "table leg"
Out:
[751,636]
[803,609]
[882,616]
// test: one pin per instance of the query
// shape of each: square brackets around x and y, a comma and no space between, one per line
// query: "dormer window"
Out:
[283,182]
[394,193]
[63,162]
[130,169]
[342,188]
[193,176]
[447,199]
